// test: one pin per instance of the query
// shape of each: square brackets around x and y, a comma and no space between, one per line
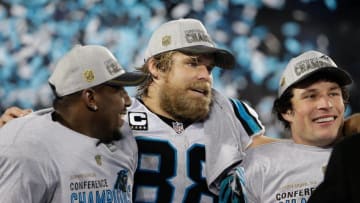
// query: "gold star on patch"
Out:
[89,75]
[166,40]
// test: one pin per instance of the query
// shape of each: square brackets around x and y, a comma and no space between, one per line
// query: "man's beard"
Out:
[184,107]
[116,135]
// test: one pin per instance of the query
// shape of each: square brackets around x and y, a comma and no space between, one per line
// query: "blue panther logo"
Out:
[121,180]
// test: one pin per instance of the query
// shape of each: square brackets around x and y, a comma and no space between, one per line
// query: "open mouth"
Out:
[325,119]
[200,91]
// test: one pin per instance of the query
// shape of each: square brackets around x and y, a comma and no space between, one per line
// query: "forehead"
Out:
[199,57]
[317,86]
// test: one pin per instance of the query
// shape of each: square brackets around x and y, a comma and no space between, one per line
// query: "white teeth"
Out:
[327,119]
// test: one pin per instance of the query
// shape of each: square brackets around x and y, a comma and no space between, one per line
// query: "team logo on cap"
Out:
[112,66]
[193,36]
[310,64]
[166,41]
[89,75]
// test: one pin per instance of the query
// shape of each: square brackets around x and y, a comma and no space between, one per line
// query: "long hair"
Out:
[162,62]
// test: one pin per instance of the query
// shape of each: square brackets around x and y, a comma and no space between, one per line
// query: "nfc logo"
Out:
[138,120]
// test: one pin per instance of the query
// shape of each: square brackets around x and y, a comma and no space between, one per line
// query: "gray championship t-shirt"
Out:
[283,172]
[43,161]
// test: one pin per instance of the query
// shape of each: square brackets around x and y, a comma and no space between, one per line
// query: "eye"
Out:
[193,64]
[334,94]
[309,96]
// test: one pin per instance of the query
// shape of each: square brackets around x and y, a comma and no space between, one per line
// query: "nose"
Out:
[325,102]
[127,100]
[204,73]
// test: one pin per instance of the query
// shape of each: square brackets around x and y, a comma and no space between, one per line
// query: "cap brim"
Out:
[341,76]
[129,79]
[223,58]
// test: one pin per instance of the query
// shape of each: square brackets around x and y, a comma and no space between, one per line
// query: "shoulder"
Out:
[269,150]
[238,110]
[30,129]
[23,149]
[135,104]
[225,101]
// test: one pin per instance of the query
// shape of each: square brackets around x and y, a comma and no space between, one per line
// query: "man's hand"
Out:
[352,125]
[11,113]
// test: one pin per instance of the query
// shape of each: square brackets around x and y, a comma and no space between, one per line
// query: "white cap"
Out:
[87,66]
[188,36]
[307,64]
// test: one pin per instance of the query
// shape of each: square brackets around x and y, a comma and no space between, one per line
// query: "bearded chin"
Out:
[184,107]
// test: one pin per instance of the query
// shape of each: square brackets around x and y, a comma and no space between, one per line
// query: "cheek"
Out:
[340,106]
[120,103]
[175,81]
[303,111]
[115,103]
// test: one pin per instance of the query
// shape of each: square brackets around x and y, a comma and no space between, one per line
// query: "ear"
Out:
[154,71]
[288,116]
[88,97]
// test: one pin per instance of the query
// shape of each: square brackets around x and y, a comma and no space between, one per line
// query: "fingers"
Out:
[11,113]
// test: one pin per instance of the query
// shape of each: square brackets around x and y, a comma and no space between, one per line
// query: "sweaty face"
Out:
[186,91]
[318,113]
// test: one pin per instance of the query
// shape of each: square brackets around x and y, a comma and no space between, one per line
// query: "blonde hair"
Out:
[162,62]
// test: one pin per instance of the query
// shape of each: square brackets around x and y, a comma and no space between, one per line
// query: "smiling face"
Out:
[317,113]
[185,92]
[112,104]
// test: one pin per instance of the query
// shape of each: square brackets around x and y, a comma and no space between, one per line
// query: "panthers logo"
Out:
[121,180]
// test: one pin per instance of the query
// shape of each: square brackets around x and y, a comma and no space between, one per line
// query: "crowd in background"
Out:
[262,34]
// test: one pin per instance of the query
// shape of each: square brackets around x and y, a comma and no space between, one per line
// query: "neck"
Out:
[153,104]
[75,123]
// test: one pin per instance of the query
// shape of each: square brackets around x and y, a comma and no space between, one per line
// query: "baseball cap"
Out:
[87,66]
[188,36]
[307,64]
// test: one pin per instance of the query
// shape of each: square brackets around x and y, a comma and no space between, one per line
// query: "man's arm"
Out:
[11,113]
[351,127]
[262,139]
